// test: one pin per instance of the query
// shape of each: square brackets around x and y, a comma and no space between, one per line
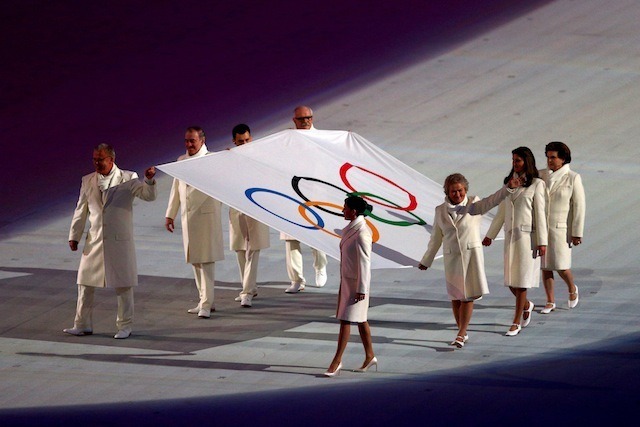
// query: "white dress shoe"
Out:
[574,303]
[548,308]
[204,313]
[513,333]
[525,322]
[78,331]
[245,301]
[321,277]
[122,334]
[239,297]
[193,310]
[372,362]
[295,288]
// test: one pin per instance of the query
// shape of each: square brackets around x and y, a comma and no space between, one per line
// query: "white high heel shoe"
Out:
[334,373]
[548,308]
[372,362]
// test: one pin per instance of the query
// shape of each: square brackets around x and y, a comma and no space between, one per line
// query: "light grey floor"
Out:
[568,71]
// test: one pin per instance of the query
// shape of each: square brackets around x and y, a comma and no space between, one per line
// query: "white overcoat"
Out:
[355,271]
[201,220]
[109,254]
[246,233]
[462,246]
[565,215]
[523,214]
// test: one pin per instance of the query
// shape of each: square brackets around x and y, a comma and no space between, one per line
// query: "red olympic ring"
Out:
[413,203]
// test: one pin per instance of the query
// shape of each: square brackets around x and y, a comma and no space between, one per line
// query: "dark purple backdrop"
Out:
[136,73]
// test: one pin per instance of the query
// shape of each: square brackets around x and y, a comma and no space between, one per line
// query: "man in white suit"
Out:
[303,119]
[201,226]
[109,255]
[246,235]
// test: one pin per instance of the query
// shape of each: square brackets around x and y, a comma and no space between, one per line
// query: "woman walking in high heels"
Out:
[355,277]
[523,214]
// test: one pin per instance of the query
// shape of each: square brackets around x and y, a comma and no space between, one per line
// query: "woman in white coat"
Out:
[525,234]
[456,227]
[565,213]
[355,277]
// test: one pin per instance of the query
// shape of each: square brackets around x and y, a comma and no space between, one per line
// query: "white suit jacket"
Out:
[462,246]
[523,214]
[201,220]
[246,233]
[565,215]
[355,271]
[109,255]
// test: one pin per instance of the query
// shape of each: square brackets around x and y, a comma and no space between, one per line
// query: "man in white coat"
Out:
[303,119]
[246,235]
[109,255]
[201,226]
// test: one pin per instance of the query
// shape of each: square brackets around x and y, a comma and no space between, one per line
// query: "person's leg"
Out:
[455,306]
[465,311]
[343,338]
[249,285]
[124,319]
[547,280]
[207,285]
[84,308]
[567,276]
[365,336]
[521,304]
[241,257]
[320,266]
[294,261]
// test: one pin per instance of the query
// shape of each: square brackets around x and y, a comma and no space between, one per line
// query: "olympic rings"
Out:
[375,234]
[319,224]
[249,193]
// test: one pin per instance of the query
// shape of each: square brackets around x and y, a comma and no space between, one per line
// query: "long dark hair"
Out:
[530,170]
[358,204]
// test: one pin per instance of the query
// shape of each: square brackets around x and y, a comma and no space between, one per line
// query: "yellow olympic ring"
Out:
[375,234]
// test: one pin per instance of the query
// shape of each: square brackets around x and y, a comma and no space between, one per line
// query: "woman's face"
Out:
[518,164]
[349,213]
[553,161]
[456,193]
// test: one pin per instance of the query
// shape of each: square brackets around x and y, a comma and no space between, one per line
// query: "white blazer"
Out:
[355,271]
[201,221]
[523,214]
[462,246]
[109,254]
[246,233]
[565,215]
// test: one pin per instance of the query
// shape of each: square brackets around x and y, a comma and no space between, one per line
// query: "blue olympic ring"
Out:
[249,193]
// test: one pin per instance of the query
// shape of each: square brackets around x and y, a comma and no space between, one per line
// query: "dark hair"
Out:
[197,129]
[530,170]
[455,178]
[107,149]
[563,151]
[239,130]
[358,204]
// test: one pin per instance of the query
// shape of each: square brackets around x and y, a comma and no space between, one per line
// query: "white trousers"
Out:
[294,261]
[248,267]
[205,281]
[84,308]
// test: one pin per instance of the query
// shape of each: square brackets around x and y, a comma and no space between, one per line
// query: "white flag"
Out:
[295,181]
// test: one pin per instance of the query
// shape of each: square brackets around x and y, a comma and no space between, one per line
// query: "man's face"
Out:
[102,162]
[241,139]
[193,142]
[302,118]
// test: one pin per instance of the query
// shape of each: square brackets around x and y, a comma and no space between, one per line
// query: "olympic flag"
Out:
[295,181]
